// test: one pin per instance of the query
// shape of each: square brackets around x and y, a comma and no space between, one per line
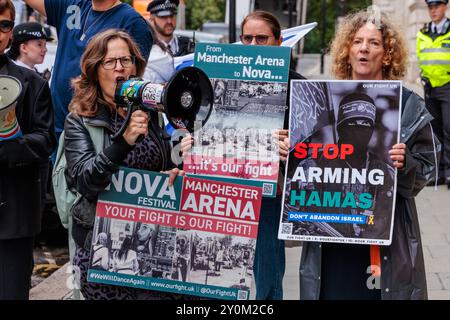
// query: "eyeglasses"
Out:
[6,25]
[126,62]
[260,38]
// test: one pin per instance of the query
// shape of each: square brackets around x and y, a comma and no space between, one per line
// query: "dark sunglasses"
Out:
[260,38]
[6,25]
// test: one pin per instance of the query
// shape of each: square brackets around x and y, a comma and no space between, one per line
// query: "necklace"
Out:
[83,36]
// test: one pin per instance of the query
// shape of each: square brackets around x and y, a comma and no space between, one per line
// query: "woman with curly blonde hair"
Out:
[367,46]
[395,55]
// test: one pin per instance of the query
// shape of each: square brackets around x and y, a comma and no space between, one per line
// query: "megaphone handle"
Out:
[124,126]
[140,138]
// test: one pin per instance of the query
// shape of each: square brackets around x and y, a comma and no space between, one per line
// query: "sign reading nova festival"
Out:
[340,182]
[250,89]
[197,237]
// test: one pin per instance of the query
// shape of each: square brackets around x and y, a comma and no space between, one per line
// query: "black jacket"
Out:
[89,173]
[21,158]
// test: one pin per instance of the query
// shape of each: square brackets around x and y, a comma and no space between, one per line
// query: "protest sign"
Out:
[250,89]
[197,237]
[340,182]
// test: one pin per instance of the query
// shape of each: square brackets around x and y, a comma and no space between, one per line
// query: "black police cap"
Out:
[29,31]
[163,8]
[431,2]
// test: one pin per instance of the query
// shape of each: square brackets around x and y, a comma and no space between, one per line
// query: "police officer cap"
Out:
[163,8]
[29,31]
[431,2]
[356,105]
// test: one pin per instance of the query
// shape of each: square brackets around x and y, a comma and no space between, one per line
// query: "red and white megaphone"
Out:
[10,89]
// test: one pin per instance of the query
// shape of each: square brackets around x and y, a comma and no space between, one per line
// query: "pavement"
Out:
[434,218]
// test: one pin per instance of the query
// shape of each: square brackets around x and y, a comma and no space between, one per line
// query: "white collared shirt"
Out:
[21,64]
[438,26]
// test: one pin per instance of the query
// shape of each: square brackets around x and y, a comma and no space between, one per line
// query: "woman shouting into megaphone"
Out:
[110,56]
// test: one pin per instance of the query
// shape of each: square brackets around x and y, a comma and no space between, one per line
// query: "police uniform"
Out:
[179,45]
[433,53]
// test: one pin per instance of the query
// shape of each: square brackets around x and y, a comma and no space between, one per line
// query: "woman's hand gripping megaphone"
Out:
[137,127]
[128,98]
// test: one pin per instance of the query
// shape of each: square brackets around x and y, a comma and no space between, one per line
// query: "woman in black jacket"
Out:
[20,160]
[109,56]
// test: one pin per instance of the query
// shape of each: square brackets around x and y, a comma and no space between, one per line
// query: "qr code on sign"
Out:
[242,295]
[267,189]
[286,228]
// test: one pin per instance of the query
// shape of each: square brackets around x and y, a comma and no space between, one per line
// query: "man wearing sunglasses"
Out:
[20,161]
[77,21]
[263,28]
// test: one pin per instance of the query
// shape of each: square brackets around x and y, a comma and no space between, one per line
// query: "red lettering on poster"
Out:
[329,151]
[221,199]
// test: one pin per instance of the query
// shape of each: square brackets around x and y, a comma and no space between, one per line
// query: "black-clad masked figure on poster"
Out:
[355,126]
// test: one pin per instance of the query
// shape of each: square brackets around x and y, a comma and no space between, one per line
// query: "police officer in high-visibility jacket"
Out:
[433,53]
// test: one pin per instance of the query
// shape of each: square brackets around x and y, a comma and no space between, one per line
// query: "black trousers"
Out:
[437,101]
[16,267]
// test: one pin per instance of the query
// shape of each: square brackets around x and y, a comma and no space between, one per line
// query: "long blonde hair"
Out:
[87,92]
[395,50]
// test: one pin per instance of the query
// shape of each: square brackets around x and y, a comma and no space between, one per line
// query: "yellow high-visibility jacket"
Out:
[434,56]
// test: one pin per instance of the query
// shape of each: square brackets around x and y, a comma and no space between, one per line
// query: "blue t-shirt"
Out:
[69,18]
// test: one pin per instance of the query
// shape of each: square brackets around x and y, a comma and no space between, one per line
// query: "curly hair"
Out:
[87,95]
[395,50]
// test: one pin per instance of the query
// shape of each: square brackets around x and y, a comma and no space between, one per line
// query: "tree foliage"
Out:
[201,11]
